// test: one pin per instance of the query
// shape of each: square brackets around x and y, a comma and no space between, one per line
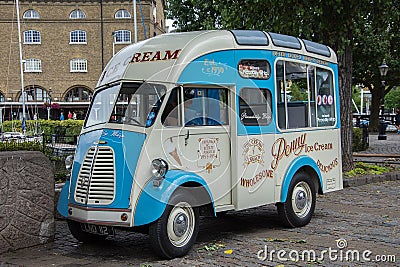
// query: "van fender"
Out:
[153,200]
[297,164]
[62,205]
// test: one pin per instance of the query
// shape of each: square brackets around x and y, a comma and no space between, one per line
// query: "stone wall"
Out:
[26,200]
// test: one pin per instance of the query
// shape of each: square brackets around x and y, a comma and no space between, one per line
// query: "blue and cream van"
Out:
[194,124]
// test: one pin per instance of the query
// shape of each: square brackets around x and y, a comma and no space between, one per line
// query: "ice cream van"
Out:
[194,124]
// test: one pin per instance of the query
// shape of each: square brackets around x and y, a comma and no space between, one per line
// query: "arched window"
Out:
[33,65]
[78,65]
[2,97]
[35,94]
[77,14]
[78,94]
[122,37]
[77,37]
[32,37]
[31,14]
[122,14]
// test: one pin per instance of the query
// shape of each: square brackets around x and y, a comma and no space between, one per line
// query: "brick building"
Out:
[65,46]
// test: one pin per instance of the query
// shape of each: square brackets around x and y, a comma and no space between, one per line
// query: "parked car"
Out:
[6,136]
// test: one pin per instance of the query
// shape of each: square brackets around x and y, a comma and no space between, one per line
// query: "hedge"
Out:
[358,144]
[66,127]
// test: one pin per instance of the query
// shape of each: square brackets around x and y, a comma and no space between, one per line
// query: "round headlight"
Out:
[160,167]
[68,162]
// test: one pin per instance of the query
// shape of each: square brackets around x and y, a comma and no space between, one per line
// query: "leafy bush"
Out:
[358,144]
[67,127]
[361,168]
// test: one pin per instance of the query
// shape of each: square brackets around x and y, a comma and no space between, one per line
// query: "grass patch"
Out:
[361,168]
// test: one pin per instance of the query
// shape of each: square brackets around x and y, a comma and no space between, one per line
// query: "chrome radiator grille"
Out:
[96,179]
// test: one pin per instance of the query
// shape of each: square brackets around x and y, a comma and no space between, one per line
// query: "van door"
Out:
[203,141]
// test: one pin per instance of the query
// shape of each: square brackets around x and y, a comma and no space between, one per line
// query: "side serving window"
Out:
[255,106]
[199,106]
[305,96]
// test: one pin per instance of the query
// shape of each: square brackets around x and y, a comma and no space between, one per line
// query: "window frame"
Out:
[121,34]
[206,119]
[312,106]
[78,35]
[33,65]
[269,111]
[31,14]
[32,37]
[121,14]
[75,64]
[77,14]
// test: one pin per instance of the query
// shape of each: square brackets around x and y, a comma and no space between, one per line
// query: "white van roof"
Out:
[162,58]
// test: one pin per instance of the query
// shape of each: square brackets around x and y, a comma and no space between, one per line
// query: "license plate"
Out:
[97,229]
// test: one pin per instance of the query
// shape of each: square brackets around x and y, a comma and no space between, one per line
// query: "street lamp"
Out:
[113,45]
[382,125]
[48,103]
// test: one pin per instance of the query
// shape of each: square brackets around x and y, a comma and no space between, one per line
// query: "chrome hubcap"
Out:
[180,224]
[302,199]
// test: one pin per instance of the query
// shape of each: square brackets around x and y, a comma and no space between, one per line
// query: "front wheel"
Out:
[175,232]
[299,206]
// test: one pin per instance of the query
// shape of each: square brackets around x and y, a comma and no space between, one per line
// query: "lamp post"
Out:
[382,125]
[113,46]
[49,103]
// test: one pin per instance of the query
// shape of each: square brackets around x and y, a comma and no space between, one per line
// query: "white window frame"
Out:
[31,35]
[31,14]
[77,14]
[33,65]
[120,37]
[78,65]
[77,37]
[122,14]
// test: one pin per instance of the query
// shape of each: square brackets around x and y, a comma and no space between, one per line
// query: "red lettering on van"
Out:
[155,56]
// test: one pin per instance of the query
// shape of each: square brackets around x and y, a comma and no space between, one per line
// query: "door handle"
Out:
[186,138]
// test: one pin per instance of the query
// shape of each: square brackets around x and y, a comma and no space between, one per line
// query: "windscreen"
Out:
[138,104]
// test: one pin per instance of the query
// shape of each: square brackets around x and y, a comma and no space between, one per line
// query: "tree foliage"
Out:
[365,31]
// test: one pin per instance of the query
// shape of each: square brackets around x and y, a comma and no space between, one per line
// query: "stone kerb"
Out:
[26,200]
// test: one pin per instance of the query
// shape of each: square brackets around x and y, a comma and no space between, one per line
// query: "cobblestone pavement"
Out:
[366,217]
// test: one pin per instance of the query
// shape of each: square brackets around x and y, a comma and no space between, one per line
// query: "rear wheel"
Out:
[80,235]
[175,232]
[299,206]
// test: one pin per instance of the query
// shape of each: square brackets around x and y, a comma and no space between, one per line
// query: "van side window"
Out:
[205,106]
[172,113]
[325,98]
[305,96]
[255,106]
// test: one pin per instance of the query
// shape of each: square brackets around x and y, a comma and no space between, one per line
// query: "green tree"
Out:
[377,38]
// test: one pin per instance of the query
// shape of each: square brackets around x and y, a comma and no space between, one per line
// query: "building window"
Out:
[77,14]
[78,94]
[32,37]
[31,14]
[123,37]
[78,65]
[122,14]
[2,98]
[77,37]
[35,94]
[33,65]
